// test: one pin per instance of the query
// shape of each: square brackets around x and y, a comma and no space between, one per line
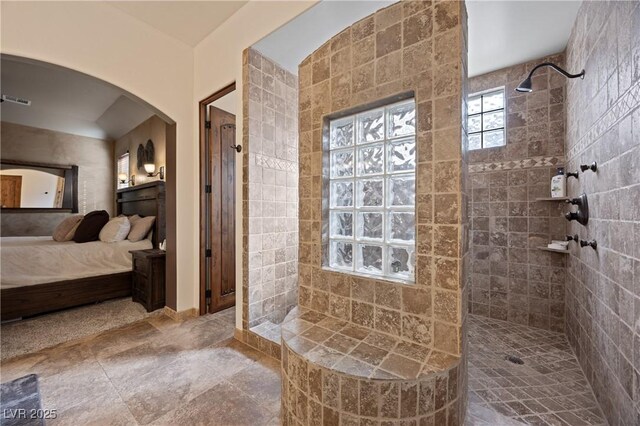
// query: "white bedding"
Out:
[35,260]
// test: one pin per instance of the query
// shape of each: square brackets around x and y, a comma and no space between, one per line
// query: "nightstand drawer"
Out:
[139,295]
[148,280]
[141,265]
[140,283]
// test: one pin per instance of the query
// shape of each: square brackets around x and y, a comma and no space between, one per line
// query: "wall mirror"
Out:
[28,187]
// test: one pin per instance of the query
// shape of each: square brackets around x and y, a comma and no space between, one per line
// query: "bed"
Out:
[39,275]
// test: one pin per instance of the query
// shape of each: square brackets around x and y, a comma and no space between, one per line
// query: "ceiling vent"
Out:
[16,100]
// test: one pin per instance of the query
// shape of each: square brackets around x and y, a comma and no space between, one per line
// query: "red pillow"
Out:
[90,227]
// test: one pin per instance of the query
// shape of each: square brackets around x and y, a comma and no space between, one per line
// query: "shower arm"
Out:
[558,69]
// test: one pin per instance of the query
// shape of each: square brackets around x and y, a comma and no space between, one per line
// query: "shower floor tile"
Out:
[548,388]
[268,330]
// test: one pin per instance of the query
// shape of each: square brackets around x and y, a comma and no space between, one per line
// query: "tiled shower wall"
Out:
[603,286]
[512,279]
[270,190]
[414,47]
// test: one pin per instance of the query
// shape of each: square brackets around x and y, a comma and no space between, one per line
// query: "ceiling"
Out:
[71,102]
[291,43]
[505,33]
[67,101]
[187,21]
[498,34]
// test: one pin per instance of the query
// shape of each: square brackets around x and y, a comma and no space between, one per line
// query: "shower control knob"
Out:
[574,201]
[593,167]
[571,174]
[573,238]
[593,244]
[571,216]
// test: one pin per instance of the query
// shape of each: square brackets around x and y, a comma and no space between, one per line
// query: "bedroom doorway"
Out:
[218,153]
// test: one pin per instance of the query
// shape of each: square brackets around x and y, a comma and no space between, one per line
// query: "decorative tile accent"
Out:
[526,163]
[625,104]
[273,163]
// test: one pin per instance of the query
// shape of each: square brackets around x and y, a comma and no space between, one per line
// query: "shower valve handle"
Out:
[571,216]
[593,244]
[593,167]
[571,174]
[573,201]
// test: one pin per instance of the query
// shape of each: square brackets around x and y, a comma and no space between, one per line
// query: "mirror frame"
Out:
[70,191]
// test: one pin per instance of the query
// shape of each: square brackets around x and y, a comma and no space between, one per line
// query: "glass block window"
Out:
[123,169]
[372,191]
[486,121]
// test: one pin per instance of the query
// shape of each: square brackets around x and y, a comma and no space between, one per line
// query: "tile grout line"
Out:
[116,390]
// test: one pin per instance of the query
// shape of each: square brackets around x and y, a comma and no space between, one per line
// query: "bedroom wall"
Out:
[94,158]
[141,60]
[155,129]
[162,71]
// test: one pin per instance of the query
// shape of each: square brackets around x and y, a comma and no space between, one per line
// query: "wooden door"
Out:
[11,191]
[222,161]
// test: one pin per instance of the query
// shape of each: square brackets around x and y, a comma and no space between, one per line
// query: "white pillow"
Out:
[115,230]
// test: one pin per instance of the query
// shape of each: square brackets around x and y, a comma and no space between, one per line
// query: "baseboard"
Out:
[182,315]
[238,335]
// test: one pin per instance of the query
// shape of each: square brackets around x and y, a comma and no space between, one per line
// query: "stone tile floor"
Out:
[548,389]
[158,371]
[268,330]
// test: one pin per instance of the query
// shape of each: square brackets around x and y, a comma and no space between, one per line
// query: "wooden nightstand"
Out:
[148,278]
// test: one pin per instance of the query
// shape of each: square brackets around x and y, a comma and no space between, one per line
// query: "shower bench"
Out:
[335,372]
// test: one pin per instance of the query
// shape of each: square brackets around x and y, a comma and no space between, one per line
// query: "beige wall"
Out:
[155,129]
[217,63]
[164,72]
[137,58]
[94,158]
[603,125]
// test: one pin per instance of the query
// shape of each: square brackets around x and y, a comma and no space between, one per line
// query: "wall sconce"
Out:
[150,168]
[525,86]
[123,179]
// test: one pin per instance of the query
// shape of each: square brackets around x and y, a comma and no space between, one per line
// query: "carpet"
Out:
[20,400]
[44,331]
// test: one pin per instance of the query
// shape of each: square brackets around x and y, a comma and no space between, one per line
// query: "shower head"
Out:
[525,86]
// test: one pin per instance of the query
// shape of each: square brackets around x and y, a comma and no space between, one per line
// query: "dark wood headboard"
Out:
[145,200]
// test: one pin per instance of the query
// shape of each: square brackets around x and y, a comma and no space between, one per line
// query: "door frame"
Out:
[202,109]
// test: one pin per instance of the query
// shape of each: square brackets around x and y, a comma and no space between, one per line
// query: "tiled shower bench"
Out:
[334,372]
